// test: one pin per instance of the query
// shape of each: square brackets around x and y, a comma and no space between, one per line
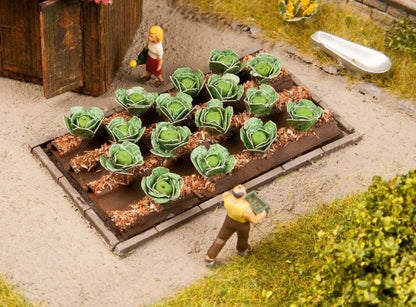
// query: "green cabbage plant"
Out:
[166,139]
[264,67]
[188,82]
[122,157]
[303,115]
[119,130]
[214,116]
[135,100]
[212,161]
[225,87]
[226,61]
[175,109]
[162,185]
[84,122]
[257,136]
[260,101]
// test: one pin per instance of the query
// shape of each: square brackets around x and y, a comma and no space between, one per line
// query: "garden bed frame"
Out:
[326,139]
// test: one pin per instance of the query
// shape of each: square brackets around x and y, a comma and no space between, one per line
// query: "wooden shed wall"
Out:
[108,34]
[20,52]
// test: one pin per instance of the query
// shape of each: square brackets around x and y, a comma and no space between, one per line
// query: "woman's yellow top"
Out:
[235,207]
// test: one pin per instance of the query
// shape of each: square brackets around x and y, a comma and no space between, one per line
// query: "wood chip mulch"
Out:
[89,159]
[197,185]
[124,114]
[295,94]
[108,182]
[135,213]
[66,143]
[250,84]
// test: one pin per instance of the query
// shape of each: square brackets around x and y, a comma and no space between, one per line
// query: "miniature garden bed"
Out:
[125,216]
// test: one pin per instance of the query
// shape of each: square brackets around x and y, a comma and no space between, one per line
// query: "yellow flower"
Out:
[290,8]
[309,11]
[288,15]
[305,4]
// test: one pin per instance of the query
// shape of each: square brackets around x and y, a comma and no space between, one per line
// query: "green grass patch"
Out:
[11,296]
[280,268]
[341,20]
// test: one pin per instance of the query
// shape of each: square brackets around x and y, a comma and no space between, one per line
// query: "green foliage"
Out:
[281,266]
[214,116]
[174,108]
[225,87]
[11,296]
[212,161]
[338,18]
[188,82]
[401,35]
[84,122]
[122,157]
[162,185]
[370,258]
[260,101]
[264,67]
[166,139]
[303,115]
[256,136]
[119,130]
[225,61]
[135,100]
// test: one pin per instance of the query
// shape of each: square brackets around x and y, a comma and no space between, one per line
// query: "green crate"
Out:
[257,204]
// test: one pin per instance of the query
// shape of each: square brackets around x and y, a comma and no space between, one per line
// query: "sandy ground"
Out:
[55,257]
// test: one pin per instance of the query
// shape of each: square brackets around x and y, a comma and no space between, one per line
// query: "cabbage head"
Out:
[135,100]
[303,115]
[175,109]
[260,101]
[213,161]
[84,122]
[214,116]
[264,67]
[166,139]
[119,130]
[122,157]
[225,61]
[256,136]
[188,82]
[225,87]
[162,185]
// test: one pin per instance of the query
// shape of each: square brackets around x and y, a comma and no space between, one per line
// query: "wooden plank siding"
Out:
[107,36]
[20,52]
[61,37]
[107,33]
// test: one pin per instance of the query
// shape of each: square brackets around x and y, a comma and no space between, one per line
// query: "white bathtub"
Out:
[353,56]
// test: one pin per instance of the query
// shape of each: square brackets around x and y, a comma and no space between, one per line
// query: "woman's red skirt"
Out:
[151,66]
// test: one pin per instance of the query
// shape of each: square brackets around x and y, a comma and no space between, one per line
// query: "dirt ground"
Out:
[55,257]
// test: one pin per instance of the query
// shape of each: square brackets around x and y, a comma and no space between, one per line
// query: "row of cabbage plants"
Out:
[214,116]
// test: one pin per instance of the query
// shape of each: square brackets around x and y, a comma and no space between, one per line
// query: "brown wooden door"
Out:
[61,46]
[20,40]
